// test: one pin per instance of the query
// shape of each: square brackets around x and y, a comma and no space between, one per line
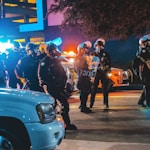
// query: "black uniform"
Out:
[2,74]
[51,73]
[11,63]
[141,66]
[136,66]
[102,75]
[83,83]
[27,68]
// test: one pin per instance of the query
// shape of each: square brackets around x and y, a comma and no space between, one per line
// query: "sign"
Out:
[40,22]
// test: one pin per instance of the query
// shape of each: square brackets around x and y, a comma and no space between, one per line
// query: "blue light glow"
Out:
[4,46]
[57,41]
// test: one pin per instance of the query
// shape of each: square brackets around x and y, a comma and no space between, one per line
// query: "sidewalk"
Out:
[126,126]
[96,145]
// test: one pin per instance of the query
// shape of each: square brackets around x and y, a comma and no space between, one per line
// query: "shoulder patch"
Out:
[42,63]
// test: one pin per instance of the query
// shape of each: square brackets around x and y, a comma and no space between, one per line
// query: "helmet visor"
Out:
[56,52]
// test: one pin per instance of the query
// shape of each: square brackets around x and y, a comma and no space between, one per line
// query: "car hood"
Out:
[27,95]
[22,104]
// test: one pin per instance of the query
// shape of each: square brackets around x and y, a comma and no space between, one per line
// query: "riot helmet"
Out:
[16,46]
[99,44]
[42,47]
[144,42]
[53,50]
[83,47]
[31,48]
[88,44]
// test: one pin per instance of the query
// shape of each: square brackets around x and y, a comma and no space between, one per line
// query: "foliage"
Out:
[108,18]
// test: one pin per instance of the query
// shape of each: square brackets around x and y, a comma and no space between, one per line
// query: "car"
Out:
[28,121]
[68,67]
[116,75]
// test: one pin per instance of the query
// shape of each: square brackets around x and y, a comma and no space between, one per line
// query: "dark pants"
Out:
[143,96]
[147,88]
[13,81]
[146,79]
[83,99]
[62,97]
[32,85]
[84,85]
[105,88]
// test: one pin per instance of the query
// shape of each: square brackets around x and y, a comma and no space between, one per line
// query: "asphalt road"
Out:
[125,123]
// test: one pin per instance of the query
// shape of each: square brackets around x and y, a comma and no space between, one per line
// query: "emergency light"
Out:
[57,41]
[4,46]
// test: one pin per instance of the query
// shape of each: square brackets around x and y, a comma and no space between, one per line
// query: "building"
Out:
[23,20]
[15,17]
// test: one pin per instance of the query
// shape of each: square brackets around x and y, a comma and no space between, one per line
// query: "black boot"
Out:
[66,119]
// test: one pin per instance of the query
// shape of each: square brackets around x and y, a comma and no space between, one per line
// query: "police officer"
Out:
[27,68]
[52,78]
[2,74]
[104,67]
[141,66]
[11,62]
[135,67]
[83,72]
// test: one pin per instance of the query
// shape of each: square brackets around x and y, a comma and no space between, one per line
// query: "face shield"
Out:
[31,49]
[97,49]
[56,53]
[98,45]
[85,49]
[144,42]
[16,46]
[82,48]
[53,50]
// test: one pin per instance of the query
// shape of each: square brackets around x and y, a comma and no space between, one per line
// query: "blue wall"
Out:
[122,52]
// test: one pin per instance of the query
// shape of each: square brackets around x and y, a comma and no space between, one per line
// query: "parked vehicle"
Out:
[118,77]
[68,67]
[28,120]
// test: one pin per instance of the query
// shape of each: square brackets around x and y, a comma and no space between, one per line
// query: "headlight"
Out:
[46,112]
[109,74]
[60,119]
[71,60]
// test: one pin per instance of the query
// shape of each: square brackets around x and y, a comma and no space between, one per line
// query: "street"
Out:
[125,123]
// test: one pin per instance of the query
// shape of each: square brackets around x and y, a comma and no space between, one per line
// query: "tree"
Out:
[108,18]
